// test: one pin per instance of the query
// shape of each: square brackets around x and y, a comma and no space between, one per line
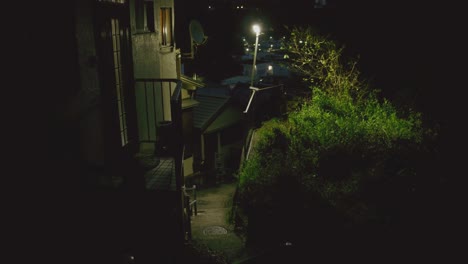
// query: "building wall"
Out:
[188,166]
[146,59]
[168,70]
[152,60]
[85,103]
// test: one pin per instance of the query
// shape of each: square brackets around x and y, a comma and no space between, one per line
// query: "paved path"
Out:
[211,226]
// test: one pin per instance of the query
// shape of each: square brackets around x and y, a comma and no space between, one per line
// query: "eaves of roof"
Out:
[207,110]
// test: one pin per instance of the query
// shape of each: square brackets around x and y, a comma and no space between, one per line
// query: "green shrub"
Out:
[267,158]
[332,146]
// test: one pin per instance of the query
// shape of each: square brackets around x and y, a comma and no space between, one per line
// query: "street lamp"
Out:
[256,29]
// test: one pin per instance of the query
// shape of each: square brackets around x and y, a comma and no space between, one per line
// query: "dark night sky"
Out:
[402,45]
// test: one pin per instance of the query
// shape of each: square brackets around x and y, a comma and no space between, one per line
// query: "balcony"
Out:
[159,114]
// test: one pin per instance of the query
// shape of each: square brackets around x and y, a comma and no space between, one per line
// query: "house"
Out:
[123,114]
[217,134]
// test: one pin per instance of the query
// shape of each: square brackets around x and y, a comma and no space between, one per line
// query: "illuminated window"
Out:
[166,26]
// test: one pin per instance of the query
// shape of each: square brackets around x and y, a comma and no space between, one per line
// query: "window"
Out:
[144,16]
[166,26]
[149,14]
[119,83]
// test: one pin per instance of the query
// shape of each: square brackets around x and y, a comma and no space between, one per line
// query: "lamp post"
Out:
[256,29]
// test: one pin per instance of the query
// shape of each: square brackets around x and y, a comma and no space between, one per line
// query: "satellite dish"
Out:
[197,37]
[196,32]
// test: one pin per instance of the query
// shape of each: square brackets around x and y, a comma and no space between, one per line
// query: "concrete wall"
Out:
[151,60]
[146,64]
[168,70]
[85,103]
[188,166]
[146,59]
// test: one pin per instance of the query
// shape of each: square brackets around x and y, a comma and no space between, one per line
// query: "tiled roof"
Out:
[228,117]
[207,110]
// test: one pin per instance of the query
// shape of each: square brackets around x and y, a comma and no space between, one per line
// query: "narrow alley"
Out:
[211,225]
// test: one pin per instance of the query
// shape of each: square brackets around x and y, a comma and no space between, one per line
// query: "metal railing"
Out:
[190,208]
[159,100]
[155,97]
[192,205]
[257,89]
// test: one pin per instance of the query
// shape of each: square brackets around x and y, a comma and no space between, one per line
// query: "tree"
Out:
[319,61]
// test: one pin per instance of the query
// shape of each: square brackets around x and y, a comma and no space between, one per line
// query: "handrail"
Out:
[256,89]
[176,116]
[193,203]
[176,119]
[177,144]
[178,90]
[264,88]
[152,105]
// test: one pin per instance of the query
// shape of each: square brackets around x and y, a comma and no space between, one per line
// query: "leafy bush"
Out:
[269,158]
[331,146]
[348,140]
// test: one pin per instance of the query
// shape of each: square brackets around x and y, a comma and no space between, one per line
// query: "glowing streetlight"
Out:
[256,29]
